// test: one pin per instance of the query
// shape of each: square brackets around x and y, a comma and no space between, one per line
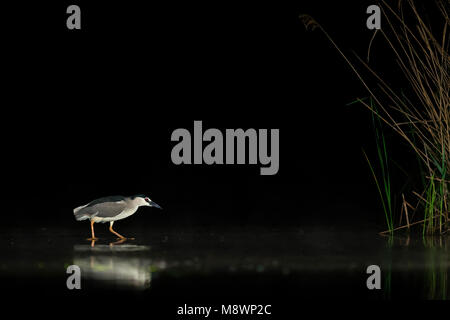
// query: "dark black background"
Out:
[89,113]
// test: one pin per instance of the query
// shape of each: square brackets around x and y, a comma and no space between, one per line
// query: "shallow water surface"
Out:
[294,262]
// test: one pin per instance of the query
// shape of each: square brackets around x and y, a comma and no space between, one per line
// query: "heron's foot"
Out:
[125,238]
[117,242]
[92,239]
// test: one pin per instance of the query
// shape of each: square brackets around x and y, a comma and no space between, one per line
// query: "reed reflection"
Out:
[427,258]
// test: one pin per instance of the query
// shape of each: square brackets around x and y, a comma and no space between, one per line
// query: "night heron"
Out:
[110,209]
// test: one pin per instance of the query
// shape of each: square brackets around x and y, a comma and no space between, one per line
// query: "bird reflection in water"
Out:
[118,264]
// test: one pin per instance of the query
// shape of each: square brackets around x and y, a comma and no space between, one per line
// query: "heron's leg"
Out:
[117,234]
[119,241]
[92,231]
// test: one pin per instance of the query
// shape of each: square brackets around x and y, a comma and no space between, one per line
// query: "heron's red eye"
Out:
[147,199]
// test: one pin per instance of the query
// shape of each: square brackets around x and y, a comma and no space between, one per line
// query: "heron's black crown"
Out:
[138,196]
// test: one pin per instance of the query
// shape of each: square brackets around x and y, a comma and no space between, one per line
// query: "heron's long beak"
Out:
[154,204]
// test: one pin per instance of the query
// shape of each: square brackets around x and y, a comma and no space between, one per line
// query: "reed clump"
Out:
[419,113]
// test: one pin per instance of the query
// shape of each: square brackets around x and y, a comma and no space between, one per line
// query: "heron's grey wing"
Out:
[108,209]
[106,199]
[84,212]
